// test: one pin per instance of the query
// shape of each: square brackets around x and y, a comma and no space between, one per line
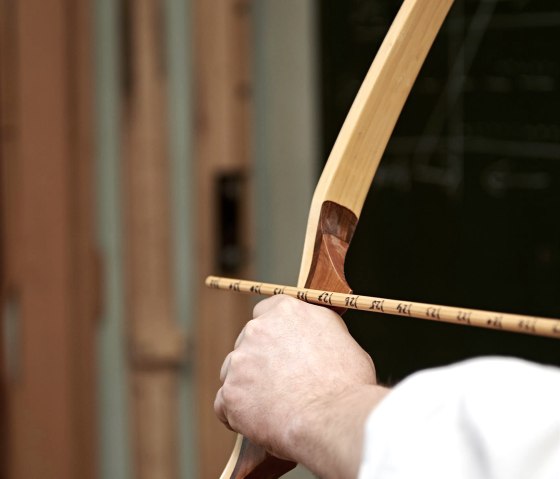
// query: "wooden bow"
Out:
[346,179]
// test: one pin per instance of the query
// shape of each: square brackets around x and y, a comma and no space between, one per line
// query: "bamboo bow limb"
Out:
[347,176]
[346,179]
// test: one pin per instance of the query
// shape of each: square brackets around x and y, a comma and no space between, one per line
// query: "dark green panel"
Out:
[464,208]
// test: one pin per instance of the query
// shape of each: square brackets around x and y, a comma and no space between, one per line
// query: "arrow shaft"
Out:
[434,312]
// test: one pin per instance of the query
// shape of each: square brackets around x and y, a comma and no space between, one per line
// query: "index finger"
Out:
[270,303]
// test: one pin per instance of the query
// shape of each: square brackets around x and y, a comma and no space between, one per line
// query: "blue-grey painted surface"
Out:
[286,142]
[114,445]
[179,39]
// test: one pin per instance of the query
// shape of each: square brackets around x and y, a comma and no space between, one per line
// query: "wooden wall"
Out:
[156,346]
[49,271]
[223,155]
[50,289]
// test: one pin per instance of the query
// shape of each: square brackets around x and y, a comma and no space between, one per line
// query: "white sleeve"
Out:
[493,418]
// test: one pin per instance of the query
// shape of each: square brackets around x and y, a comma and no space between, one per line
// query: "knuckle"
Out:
[256,310]
[290,305]
[218,402]
[229,395]
[225,367]
[251,327]
[256,328]
[233,360]
[220,409]
[236,363]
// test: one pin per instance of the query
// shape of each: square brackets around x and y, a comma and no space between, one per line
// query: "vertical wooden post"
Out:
[85,276]
[156,345]
[49,274]
[7,84]
[223,145]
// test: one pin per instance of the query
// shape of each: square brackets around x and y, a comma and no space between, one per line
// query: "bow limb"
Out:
[347,176]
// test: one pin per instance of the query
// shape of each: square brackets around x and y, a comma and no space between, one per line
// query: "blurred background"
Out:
[147,143]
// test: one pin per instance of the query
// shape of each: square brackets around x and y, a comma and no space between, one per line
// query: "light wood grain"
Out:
[156,344]
[361,142]
[223,145]
[516,323]
[48,262]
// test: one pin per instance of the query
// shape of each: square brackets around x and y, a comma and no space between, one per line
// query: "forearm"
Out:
[328,437]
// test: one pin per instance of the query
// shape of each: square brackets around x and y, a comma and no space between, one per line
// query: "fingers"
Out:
[282,302]
[225,367]
[227,361]
[270,303]
[240,337]
[219,402]
[220,410]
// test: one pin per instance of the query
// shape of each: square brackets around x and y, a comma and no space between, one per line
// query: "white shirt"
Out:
[493,418]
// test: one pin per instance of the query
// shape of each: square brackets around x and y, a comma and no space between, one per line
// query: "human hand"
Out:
[290,366]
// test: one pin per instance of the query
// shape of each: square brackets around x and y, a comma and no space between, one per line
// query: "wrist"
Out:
[327,434]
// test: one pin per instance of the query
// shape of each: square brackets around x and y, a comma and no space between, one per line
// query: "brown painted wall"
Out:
[49,272]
